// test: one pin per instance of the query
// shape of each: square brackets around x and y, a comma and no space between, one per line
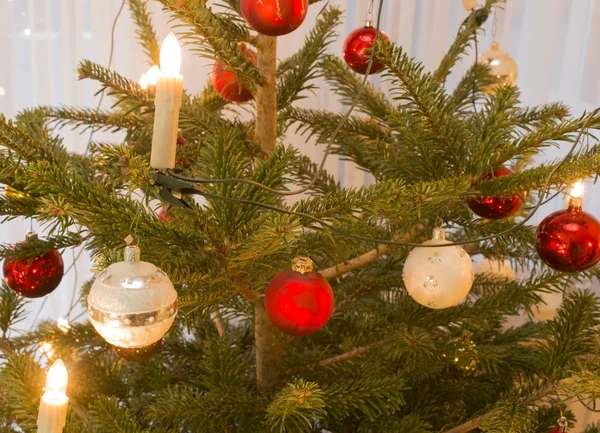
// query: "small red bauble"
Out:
[495,208]
[274,17]
[138,354]
[299,301]
[164,214]
[34,277]
[226,83]
[181,141]
[357,49]
[569,240]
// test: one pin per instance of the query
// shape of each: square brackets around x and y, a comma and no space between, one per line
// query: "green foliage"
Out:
[145,31]
[383,363]
[296,408]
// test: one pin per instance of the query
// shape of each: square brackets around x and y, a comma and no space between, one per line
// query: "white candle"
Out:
[53,407]
[167,102]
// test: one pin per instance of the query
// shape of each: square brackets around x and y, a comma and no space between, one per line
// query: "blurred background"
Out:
[554,43]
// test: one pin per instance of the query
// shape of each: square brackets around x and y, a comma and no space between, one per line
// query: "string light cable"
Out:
[324,224]
[329,143]
[194,183]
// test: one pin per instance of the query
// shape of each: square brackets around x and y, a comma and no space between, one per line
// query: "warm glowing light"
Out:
[56,381]
[47,350]
[63,325]
[577,189]
[27,32]
[170,57]
[144,81]
[152,75]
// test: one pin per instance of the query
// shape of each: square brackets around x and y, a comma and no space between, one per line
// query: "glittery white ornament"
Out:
[503,68]
[496,269]
[548,307]
[132,303]
[438,277]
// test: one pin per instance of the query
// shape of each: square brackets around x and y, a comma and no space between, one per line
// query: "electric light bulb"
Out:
[63,325]
[152,75]
[56,381]
[47,350]
[144,81]
[170,57]
[577,189]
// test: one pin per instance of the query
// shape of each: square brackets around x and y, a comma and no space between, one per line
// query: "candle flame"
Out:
[63,325]
[47,350]
[152,75]
[144,81]
[577,189]
[170,57]
[56,381]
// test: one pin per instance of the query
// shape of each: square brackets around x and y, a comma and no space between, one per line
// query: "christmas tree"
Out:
[416,342]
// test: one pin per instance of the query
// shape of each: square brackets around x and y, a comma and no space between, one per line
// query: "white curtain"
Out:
[41,42]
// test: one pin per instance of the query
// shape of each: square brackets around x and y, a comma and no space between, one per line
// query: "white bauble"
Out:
[547,309]
[438,277]
[503,68]
[132,303]
[498,269]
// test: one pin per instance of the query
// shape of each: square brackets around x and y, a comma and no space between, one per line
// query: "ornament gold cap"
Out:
[302,264]
[494,46]
[132,254]
[439,233]
[31,235]
[369,23]
[575,203]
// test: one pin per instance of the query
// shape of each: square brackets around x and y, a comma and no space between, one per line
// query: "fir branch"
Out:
[295,73]
[12,309]
[425,99]
[109,416]
[465,36]
[216,36]
[296,408]
[145,31]
[123,89]
[86,118]
[346,83]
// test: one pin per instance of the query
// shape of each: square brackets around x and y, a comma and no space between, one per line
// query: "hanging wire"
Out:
[329,144]
[475,71]
[110,59]
[543,192]
[494,24]
[369,15]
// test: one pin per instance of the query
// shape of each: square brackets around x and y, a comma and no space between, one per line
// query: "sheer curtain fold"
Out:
[42,41]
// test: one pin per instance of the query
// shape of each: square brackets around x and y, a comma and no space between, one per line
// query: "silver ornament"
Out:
[132,303]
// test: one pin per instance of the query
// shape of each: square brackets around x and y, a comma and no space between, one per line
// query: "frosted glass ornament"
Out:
[132,303]
[503,68]
[496,269]
[547,309]
[438,277]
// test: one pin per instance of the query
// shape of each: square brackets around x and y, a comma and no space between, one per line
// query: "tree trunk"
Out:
[266,96]
[268,350]
[267,338]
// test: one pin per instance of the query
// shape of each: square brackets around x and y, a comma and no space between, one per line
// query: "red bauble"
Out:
[569,240]
[274,17]
[34,277]
[357,49]
[181,141]
[226,83]
[495,208]
[164,214]
[138,354]
[299,301]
